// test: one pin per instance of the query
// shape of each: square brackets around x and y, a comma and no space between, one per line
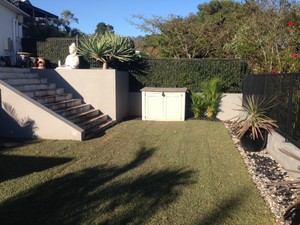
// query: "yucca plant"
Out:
[256,118]
[107,48]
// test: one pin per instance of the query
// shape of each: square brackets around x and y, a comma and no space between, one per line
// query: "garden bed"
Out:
[265,172]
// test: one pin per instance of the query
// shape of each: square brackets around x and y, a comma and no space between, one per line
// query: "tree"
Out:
[264,40]
[194,36]
[66,18]
[41,28]
[103,28]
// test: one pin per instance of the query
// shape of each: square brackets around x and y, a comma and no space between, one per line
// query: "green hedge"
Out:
[54,49]
[191,72]
[151,72]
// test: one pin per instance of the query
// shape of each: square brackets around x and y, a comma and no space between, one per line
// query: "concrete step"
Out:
[14,70]
[92,122]
[22,81]
[63,104]
[7,75]
[53,98]
[34,87]
[98,129]
[40,93]
[84,116]
[74,110]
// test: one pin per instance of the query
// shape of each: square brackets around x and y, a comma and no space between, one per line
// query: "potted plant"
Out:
[253,129]
[107,47]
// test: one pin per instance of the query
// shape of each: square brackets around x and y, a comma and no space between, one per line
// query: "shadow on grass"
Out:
[12,166]
[224,209]
[99,195]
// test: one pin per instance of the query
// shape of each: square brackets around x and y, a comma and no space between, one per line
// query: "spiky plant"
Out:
[256,118]
[107,48]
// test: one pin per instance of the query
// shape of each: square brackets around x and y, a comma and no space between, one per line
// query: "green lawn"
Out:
[139,172]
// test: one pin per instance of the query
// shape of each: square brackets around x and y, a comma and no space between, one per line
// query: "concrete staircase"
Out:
[91,120]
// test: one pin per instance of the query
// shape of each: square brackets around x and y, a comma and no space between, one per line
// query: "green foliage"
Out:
[191,73]
[207,102]
[212,95]
[107,48]
[197,104]
[256,31]
[256,116]
[103,28]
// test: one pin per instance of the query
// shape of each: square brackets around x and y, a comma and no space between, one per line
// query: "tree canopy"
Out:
[103,28]
[264,33]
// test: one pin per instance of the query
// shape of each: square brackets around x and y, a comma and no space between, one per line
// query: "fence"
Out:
[285,89]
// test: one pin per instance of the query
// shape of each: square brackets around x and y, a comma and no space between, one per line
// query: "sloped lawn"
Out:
[139,172]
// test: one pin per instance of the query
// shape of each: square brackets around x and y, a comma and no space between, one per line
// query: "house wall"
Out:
[106,90]
[10,28]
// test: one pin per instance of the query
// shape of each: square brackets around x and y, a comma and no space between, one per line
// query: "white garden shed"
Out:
[163,104]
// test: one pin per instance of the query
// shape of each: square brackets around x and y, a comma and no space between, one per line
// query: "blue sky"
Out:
[117,12]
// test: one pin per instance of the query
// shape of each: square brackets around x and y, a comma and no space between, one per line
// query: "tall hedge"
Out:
[190,73]
[54,49]
[151,72]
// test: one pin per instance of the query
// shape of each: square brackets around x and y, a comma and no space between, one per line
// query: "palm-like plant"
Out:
[212,92]
[256,118]
[107,48]
[197,104]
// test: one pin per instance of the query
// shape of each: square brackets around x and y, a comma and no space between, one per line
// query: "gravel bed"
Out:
[265,171]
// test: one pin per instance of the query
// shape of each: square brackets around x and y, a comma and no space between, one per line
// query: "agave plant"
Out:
[107,48]
[256,117]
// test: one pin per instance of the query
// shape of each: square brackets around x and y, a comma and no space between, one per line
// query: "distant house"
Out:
[12,14]
[31,10]
[11,20]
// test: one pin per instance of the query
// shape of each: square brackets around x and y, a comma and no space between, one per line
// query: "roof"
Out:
[13,8]
[35,11]
[32,11]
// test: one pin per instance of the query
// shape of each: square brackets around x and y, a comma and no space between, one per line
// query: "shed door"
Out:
[173,106]
[164,106]
[154,106]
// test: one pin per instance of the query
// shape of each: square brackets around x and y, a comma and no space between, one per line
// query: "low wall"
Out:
[229,105]
[25,118]
[106,90]
[277,142]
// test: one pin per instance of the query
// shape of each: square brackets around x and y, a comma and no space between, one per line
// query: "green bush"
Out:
[207,102]
[212,96]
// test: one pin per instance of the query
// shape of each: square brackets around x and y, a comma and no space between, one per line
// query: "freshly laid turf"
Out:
[139,172]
